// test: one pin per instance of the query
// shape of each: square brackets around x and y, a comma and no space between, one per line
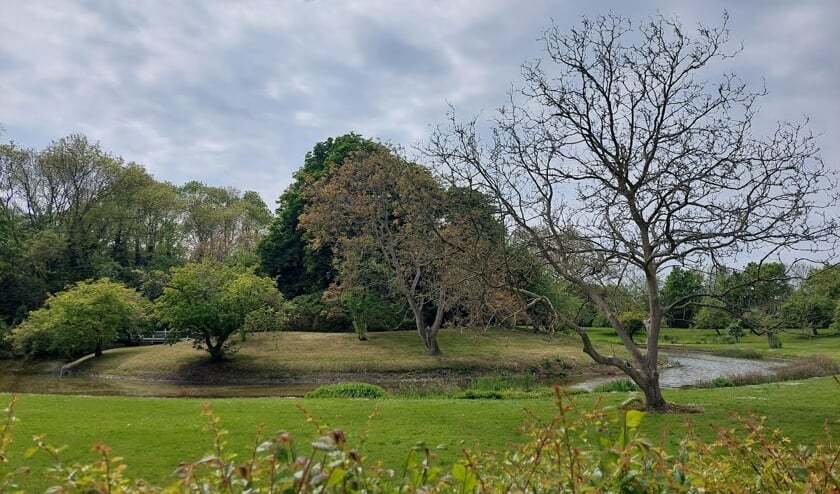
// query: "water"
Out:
[98,386]
[685,369]
[691,369]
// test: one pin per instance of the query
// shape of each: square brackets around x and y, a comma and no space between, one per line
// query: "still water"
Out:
[686,369]
[84,385]
[690,369]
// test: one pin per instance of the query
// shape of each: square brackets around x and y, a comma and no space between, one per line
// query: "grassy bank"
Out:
[153,435]
[284,356]
[290,356]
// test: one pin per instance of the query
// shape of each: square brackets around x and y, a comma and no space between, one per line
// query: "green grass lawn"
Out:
[153,435]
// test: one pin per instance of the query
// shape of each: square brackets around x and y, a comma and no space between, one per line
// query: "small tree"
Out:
[82,319]
[208,302]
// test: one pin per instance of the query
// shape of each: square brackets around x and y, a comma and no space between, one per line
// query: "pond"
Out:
[693,368]
[684,369]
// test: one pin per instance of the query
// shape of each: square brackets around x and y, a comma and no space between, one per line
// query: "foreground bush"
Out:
[577,451]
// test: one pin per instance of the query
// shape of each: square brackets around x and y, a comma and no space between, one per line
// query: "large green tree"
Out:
[50,201]
[210,301]
[755,296]
[624,153]
[84,318]
[378,208]
[286,253]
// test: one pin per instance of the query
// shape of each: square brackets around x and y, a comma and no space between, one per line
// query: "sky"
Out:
[234,93]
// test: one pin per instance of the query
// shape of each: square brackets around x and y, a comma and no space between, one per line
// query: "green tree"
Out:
[679,296]
[210,301]
[812,306]
[623,155]
[286,253]
[755,296]
[82,319]
[712,315]
[379,208]
[220,223]
[139,221]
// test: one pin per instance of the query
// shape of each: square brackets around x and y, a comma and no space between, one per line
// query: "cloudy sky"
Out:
[236,93]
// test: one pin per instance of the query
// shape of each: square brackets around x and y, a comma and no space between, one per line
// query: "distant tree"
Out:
[210,301]
[140,222]
[48,204]
[755,295]
[620,159]
[82,319]
[219,223]
[377,207]
[286,253]
[813,304]
[679,296]
[712,315]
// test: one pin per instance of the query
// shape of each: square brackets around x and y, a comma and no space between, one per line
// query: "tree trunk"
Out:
[427,333]
[773,340]
[653,394]
[217,352]
[430,339]
[97,352]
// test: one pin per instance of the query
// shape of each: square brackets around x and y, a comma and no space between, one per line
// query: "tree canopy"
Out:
[82,319]
[209,301]
[286,252]
[378,209]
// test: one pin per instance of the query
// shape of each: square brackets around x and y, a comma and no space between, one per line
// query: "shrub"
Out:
[481,394]
[633,322]
[722,382]
[348,390]
[619,385]
[804,368]
[310,313]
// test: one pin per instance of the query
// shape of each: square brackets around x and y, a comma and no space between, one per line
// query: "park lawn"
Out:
[154,434]
[272,356]
[794,343]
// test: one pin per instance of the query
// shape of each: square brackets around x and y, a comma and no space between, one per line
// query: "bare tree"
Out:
[618,158]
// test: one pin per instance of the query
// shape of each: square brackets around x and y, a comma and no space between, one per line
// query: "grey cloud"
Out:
[237,93]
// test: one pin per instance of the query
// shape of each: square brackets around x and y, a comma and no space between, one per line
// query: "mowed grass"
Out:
[154,434]
[275,356]
[794,343]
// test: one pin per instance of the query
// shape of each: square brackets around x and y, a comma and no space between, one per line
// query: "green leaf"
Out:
[336,476]
[633,418]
